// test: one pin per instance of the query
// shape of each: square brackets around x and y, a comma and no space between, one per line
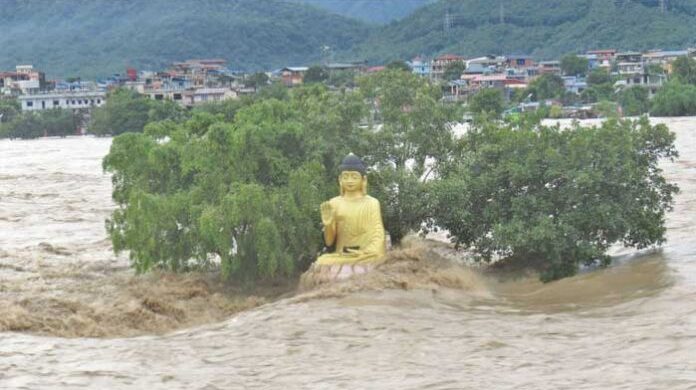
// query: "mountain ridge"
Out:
[94,38]
[545,29]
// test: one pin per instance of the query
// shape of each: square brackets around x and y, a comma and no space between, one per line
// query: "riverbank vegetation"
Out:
[47,123]
[237,185]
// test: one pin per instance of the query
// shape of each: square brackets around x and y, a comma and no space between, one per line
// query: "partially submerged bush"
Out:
[557,198]
[242,183]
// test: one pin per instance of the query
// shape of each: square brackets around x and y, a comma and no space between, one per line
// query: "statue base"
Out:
[319,274]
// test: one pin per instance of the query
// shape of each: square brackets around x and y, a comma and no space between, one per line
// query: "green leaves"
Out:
[53,122]
[129,111]
[557,198]
[674,99]
[243,193]
[405,150]
[572,65]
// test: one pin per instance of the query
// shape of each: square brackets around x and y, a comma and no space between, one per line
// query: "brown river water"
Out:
[73,316]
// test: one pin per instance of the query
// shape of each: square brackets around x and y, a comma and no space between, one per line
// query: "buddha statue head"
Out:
[352,176]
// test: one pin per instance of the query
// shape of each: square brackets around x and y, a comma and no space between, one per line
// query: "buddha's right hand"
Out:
[327,214]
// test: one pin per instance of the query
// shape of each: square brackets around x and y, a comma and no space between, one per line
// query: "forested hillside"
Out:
[372,11]
[547,28]
[93,38]
[98,37]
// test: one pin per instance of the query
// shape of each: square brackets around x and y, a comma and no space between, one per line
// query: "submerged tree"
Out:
[244,192]
[243,186]
[555,198]
[128,111]
[411,136]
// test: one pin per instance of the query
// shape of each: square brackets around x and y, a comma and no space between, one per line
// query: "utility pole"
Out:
[502,12]
[447,23]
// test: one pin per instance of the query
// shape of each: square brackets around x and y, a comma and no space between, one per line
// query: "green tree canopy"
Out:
[454,70]
[598,76]
[572,65]
[674,99]
[684,68]
[412,135]
[9,109]
[398,65]
[556,198]
[129,111]
[316,74]
[52,123]
[547,86]
[243,190]
[257,80]
[634,100]
[490,100]
[598,92]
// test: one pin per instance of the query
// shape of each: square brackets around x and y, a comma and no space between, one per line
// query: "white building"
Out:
[208,95]
[65,100]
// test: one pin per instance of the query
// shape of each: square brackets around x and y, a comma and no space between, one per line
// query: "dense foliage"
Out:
[381,12]
[634,100]
[269,34]
[557,198]
[17,124]
[572,65]
[245,192]
[245,188]
[546,86]
[454,70]
[240,183]
[684,69]
[100,37]
[129,111]
[315,74]
[414,136]
[545,29]
[489,100]
[674,99]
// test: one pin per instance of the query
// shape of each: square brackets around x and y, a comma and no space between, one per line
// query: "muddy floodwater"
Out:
[73,316]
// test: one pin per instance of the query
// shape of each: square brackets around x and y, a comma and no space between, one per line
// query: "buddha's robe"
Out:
[358,227]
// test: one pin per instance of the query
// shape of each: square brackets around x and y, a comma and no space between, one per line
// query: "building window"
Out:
[56,102]
[98,101]
[159,97]
[73,102]
[43,104]
[177,96]
[30,104]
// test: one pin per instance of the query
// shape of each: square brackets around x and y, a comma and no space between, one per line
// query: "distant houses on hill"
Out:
[199,81]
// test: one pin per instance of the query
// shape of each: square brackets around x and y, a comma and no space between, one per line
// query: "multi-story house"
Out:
[440,63]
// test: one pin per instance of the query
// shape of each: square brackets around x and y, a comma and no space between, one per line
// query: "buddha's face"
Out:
[351,181]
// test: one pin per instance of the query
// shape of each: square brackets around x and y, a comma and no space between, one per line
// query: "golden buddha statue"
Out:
[352,225]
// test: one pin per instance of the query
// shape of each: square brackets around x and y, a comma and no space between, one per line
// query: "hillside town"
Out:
[199,81]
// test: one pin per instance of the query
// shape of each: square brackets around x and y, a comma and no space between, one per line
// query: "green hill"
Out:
[372,11]
[93,38]
[546,29]
[98,37]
